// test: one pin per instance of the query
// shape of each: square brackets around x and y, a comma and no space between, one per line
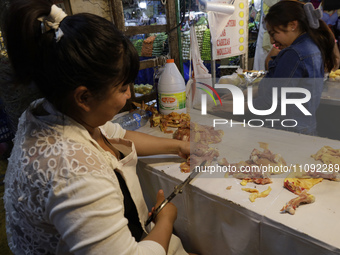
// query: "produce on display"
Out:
[186,44]
[153,46]
[148,46]
[200,32]
[138,45]
[206,45]
[143,88]
[158,44]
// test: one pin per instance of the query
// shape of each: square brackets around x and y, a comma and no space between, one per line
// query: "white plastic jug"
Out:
[171,89]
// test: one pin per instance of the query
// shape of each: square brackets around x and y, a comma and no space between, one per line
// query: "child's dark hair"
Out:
[92,52]
[285,11]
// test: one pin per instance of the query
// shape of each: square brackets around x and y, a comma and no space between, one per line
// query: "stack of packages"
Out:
[199,34]
[138,45]
[158,44]
[166,47]
[206,45]
[148,46]
[186,44]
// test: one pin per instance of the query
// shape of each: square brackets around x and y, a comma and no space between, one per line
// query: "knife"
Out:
[177,189]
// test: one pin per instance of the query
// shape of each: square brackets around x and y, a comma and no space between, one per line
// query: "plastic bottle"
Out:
[171,89]
[133,120]
[156,75]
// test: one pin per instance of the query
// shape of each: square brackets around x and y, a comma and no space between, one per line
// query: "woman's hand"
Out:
[169,211]
[164,222]
[272,53]
[184,149]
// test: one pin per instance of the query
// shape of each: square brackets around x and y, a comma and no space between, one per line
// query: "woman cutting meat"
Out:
[305,49]
[71,185]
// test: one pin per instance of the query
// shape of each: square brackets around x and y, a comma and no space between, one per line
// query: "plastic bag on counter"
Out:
[253,77]
[242,78]
[234,79]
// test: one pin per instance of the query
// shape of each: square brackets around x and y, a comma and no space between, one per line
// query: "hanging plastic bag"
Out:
[219,14]
[200,77]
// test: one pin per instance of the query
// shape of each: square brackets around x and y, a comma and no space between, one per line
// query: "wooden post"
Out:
[172,35]
[118,14]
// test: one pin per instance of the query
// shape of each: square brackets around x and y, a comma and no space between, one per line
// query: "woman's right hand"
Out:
[169,212]
[164,222]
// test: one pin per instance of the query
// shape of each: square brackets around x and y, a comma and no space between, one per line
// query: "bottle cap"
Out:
[170,60]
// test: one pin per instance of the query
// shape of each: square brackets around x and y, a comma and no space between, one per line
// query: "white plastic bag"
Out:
[200,76]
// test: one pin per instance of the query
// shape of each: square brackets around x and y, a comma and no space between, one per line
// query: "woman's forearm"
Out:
[161,233]
[151,145]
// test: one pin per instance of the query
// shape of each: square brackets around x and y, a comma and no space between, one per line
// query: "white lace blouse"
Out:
[61,194]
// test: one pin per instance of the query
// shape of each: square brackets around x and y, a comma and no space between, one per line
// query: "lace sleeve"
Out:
[63,195]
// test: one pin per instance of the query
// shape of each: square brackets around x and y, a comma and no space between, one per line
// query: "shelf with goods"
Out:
[149,25]
[154,45]
[151,49]
[200,21]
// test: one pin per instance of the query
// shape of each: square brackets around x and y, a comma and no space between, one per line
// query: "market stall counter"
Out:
[329,108]
[215,216]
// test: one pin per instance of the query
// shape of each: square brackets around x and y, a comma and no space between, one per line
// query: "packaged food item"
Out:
[143,88]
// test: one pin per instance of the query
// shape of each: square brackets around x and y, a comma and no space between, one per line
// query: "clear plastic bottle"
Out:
[171,89]
[133,120]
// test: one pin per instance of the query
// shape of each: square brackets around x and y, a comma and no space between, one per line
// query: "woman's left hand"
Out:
[184,150]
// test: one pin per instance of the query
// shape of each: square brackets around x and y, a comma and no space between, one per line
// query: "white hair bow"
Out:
[53,20]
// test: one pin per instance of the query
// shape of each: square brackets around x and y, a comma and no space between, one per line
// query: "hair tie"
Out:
[52,21]
[313,15]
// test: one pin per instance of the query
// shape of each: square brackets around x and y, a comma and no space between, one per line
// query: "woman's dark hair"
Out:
[92,52]
[285,11]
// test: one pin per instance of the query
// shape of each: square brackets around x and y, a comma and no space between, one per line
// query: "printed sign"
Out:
[234,38]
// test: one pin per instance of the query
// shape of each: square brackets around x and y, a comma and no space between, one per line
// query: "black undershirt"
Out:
[130,211]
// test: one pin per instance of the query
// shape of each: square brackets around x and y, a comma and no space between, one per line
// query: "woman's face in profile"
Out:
[281,36]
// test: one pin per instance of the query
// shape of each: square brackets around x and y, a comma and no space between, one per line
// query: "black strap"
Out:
[130,211]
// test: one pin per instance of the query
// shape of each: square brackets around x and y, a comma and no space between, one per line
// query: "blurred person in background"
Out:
[304,47]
